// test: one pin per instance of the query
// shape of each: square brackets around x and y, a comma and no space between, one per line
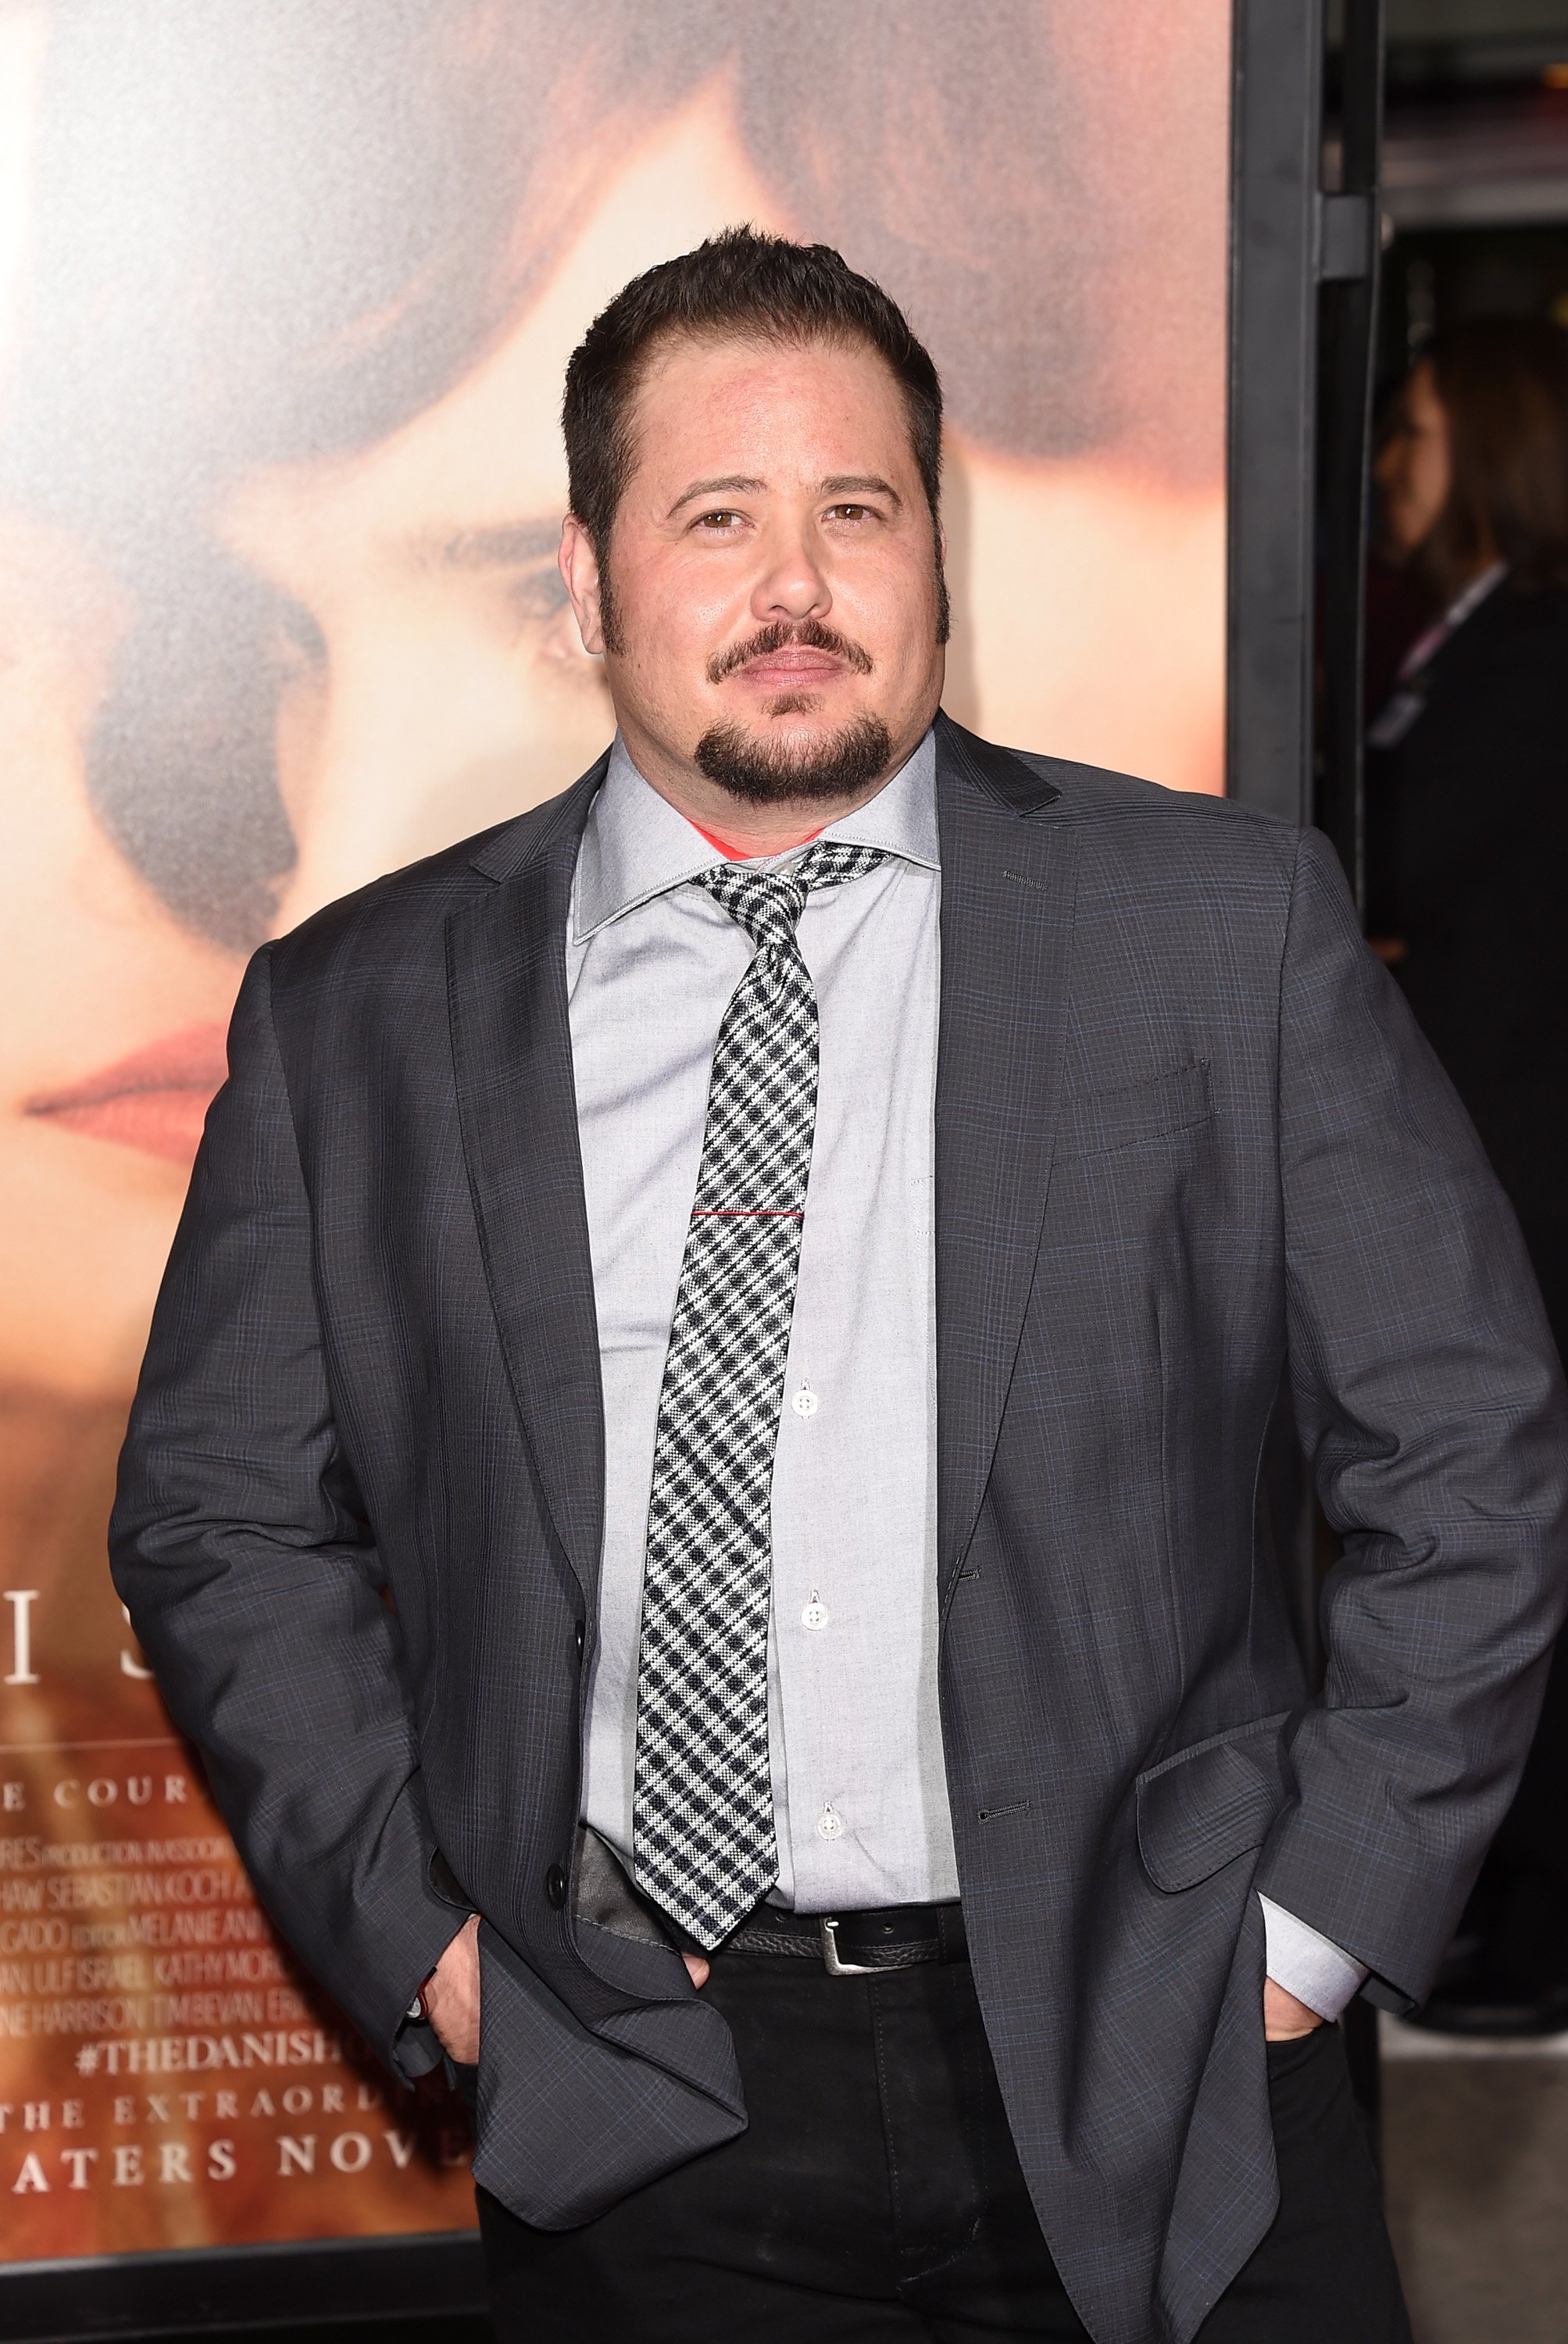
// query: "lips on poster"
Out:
[286,295]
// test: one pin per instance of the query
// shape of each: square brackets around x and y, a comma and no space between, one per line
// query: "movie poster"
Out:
[286,289]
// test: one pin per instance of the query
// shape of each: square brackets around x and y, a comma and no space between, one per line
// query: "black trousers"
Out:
[876,2196]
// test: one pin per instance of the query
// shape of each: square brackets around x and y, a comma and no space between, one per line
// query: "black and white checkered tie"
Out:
[704,1848]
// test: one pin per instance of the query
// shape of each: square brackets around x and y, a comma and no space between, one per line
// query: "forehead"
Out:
[780,409]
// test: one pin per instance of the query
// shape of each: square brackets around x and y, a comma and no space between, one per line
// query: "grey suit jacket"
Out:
[1186,1132]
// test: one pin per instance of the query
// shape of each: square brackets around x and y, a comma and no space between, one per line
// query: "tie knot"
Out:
[768,903]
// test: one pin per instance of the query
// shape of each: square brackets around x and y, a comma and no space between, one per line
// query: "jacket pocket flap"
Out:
[1093,1122]
[1210,1804]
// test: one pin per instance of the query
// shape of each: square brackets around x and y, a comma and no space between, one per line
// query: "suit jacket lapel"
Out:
[1008,894]
[511,1050]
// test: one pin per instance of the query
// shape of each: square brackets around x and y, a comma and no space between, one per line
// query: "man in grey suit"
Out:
[779,1264]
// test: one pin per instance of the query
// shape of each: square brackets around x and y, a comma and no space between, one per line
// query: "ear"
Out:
[579,567]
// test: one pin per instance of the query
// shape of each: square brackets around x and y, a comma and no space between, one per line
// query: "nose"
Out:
[792,583]
[421,735]
[358,794]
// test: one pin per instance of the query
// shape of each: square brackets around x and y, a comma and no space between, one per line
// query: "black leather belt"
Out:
[855,1944]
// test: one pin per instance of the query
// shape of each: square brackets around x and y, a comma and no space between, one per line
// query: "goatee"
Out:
[773,773]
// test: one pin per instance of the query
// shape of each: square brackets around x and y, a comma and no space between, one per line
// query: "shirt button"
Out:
[815,1613]
[829,1824]
[806,1401]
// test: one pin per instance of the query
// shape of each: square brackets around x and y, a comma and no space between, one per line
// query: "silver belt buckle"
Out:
[827,1930]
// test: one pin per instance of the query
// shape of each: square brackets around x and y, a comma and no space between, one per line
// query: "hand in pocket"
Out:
[452,1995]
[1285,2017]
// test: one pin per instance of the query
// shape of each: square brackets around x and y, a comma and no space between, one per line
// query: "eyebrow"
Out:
[840,484]
[505,546]
[733,484]
[859,484]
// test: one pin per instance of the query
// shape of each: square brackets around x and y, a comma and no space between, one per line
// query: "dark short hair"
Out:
[739,283]
[1502,384]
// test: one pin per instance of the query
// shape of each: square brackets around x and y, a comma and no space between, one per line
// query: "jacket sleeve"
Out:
[1431,1403]
[240,1549]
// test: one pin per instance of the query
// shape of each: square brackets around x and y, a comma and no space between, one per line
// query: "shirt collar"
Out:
[635,845]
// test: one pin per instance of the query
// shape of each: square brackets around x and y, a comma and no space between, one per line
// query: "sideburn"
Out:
[608,609]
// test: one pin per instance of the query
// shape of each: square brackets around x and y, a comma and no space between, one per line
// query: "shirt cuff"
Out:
[1311,1967]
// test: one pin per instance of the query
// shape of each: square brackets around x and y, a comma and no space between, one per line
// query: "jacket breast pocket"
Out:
[1093,1123]
[1210,1804]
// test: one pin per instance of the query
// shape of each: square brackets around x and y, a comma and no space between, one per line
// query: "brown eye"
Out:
[718,520]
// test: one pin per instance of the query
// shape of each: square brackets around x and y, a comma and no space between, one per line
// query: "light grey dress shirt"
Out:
[859,1788]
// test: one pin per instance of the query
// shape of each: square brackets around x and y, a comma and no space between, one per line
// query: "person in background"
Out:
[1467,828]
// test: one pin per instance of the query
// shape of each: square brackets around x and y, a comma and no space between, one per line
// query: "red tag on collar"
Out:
[732,854]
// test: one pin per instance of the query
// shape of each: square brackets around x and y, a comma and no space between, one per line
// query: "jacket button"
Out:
[555,1886]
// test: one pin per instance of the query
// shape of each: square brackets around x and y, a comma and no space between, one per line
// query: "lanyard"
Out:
[1425,649]
[1400,711]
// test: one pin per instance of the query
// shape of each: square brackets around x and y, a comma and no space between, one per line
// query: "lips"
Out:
[785,654]
[157,1099]
[792,667]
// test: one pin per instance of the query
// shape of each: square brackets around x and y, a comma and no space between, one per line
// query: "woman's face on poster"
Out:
[430,680]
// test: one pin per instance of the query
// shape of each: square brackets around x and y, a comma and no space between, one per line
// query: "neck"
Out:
[742,830]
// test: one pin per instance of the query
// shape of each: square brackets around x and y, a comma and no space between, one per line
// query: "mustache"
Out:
[810,634]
